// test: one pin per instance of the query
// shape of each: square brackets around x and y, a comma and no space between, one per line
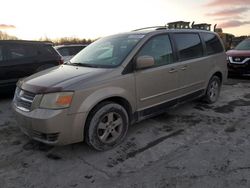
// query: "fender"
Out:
[216,69]
[104,93]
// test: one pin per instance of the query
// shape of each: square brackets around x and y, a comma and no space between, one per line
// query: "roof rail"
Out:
[153,27]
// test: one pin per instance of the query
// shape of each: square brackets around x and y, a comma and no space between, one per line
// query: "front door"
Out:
[159,83]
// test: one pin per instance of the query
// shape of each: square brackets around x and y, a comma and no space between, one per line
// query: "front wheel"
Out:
[107,126]
[213,90]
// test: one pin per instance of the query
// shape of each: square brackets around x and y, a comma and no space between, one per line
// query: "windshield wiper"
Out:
[67,62]
[83,65]
[90,65]
[76,64]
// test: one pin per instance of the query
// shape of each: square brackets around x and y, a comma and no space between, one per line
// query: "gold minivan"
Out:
[117,81]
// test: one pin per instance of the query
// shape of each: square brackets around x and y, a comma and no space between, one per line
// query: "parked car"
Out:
[117,81]
[20,59]
[239,58]
[69,51]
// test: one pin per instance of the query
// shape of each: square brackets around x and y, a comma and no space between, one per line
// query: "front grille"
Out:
[51,137]
[238,59]
[23,99]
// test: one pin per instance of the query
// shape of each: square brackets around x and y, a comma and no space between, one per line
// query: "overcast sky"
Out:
[32,19]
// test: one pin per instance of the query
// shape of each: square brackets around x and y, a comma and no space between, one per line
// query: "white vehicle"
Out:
[69,51]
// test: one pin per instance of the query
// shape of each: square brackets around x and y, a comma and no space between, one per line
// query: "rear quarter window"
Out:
[189,45]
[212,42]
[48,50]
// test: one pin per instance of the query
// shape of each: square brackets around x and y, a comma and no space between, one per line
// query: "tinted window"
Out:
[188,45]
[70,50]
[1,53]
[48,50]
[64,51]
[213,44]
[74,50]
[18,51]
[159,48]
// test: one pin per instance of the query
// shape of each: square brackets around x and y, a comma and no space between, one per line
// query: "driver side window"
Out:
[159,47]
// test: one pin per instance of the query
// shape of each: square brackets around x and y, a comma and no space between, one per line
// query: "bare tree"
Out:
[5,36]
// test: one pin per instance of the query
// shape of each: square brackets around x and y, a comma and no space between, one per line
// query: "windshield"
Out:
[106,52]
[244,45]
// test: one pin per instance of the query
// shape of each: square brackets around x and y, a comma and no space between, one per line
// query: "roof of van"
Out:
[164,29]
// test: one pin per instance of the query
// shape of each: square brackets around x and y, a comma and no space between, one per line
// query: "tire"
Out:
[213,90]
[106,126]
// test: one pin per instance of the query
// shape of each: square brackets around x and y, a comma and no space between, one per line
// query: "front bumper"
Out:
[54,127]
[238,68]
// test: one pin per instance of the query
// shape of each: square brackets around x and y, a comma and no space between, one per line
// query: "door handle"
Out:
[172,71]
[184,68]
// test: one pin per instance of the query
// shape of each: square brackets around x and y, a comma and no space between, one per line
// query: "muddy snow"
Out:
[193,145]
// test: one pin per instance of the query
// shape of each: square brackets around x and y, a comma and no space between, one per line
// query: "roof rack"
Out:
[153,27]
[202,26]
[178,25]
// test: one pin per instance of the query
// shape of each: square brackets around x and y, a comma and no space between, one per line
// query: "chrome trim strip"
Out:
[144,108]
[171,91]
[23,109]
[26,100]
[235,62]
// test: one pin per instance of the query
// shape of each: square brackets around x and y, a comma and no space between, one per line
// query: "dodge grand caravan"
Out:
[117,81]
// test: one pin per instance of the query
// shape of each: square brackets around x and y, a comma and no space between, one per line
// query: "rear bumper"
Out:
[54,127]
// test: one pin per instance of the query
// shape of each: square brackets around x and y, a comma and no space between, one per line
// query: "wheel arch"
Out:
[116,99]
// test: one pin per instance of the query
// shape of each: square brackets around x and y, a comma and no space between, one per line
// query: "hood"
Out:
[239,53]
[58,78]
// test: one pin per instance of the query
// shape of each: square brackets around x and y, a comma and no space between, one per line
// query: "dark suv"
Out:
[19,59]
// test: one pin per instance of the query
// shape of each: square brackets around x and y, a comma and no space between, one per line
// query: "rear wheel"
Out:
[106,126]
[213,90]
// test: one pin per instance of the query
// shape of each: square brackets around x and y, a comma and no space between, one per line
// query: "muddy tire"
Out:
[213,90]
[106,126]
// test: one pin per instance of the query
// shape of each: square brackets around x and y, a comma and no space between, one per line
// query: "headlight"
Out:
[56,100]
[228,58]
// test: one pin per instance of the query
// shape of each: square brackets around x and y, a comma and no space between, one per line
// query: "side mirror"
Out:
[143,62]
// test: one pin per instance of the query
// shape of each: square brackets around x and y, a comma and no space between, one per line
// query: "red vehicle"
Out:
[239,58]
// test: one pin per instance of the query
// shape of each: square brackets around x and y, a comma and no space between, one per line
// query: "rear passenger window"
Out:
[48,50]
[189,45]
[18,51]
[160,49]
[213,44]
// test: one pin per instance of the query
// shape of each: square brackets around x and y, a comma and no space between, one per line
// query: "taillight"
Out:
[60,62]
